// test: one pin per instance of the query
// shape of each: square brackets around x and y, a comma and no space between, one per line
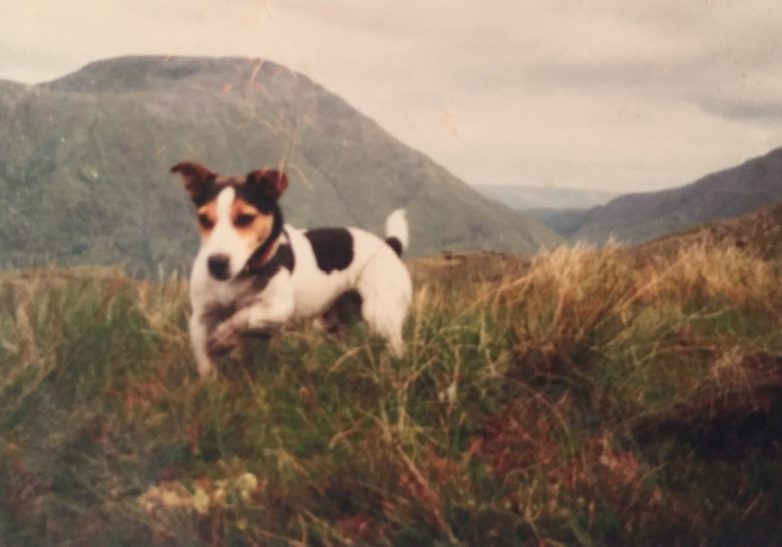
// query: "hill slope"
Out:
[758,233]
[84,163]
[635,218]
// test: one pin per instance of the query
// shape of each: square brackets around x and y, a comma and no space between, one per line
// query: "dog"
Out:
[253,273]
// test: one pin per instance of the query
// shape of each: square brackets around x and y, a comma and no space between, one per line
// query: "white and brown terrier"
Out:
[253,273]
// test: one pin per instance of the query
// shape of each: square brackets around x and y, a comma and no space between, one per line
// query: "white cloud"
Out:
[617,94]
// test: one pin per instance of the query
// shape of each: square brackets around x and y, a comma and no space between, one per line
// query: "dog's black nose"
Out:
[218,266]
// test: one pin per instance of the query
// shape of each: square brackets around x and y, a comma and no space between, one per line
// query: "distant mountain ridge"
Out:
[535,198]
[636,218]
[84,163]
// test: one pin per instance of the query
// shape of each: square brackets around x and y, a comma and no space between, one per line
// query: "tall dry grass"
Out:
[583,396]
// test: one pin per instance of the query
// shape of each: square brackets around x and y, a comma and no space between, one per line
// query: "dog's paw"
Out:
[223,340]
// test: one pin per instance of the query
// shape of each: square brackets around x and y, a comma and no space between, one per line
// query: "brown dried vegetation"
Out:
[581,396]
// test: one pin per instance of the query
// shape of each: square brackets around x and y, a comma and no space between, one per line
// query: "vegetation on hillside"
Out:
[581,397]
[84,164]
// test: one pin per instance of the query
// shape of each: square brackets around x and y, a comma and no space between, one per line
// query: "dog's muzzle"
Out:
[218,266]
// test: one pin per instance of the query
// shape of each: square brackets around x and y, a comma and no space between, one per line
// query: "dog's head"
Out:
[236,215]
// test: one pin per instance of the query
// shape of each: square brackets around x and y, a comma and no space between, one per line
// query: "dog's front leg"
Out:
[199,338]
[260,315]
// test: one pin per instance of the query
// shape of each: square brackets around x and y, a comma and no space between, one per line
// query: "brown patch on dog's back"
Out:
[333,248]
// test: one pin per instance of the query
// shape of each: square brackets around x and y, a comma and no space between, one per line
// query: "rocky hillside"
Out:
[84,163]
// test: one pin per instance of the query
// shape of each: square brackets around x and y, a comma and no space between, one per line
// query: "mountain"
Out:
[542,198]
[635,218]
[84,163]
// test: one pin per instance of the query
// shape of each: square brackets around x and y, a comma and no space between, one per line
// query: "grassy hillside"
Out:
[581,397]
[758,233]
[636,218]
[84,164]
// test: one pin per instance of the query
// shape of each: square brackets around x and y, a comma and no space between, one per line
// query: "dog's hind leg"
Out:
[386,291]
[386,317]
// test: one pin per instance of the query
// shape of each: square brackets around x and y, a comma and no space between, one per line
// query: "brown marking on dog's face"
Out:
[252,225]
[207,218]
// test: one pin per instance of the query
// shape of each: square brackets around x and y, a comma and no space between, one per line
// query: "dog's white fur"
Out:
[376,273]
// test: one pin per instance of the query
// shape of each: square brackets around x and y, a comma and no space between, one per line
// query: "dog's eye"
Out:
[205,221]
[244,220]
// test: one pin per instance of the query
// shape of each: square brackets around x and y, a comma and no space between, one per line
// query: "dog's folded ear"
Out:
[197,178]
[271,183]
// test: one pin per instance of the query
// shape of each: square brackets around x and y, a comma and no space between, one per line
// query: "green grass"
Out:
[577,398]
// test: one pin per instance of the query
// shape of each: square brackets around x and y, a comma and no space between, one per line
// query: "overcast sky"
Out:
[624,95]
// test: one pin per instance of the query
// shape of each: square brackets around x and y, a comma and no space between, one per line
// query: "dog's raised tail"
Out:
[397,232]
